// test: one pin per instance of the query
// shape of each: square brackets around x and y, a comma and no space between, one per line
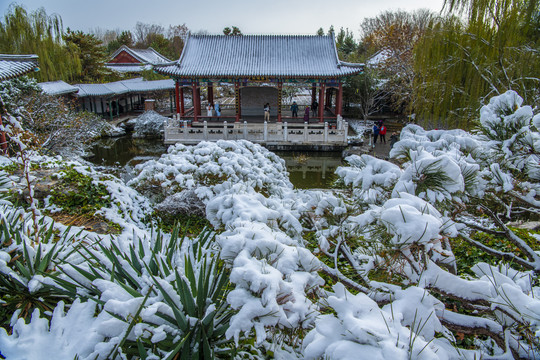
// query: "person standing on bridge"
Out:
[382,133]
[218,110]
[376,130]
[267,112]
[306,114]
[294,109]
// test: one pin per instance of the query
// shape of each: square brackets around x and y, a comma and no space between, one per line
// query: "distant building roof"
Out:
[12,66]
[122,87]
[281,56]
[126,59]
[57,88]
[379,57]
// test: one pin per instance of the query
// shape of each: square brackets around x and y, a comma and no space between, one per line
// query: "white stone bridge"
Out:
[276,135]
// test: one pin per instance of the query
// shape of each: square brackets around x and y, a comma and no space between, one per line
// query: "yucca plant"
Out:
[200,315]
[21,289]
[182,275]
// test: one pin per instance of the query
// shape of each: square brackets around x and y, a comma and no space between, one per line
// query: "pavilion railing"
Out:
[186,132]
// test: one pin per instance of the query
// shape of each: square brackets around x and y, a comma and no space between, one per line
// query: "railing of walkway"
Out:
[276,133]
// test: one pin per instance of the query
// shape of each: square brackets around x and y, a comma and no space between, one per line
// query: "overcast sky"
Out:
[251,16]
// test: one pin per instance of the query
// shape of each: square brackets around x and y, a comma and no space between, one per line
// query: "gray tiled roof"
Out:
[12,66]
[122,87]
[57,88]
[282,56]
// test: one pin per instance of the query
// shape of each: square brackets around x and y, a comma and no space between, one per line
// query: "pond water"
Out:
[307,170]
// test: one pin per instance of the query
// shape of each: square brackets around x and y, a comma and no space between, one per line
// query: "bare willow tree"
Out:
[38,33]
[459,64]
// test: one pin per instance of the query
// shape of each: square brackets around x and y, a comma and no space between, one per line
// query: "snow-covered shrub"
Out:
[434,178]
[203,166]
[272,272]
[149,124]
[511,141]
[360,329]
[370,178]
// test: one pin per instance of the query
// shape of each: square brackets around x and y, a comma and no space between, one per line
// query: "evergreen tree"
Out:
[232,31]
[320,32]
[40,34]
[331,30]
[91,53]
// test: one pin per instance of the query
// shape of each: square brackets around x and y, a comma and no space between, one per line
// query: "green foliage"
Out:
[469,255]
[345,43]
[366,92]
[17,293]
[460,64]
[199,293]
[37,33]
[149,75]
[189,224]
[234,31]
[91,55]
[78,194]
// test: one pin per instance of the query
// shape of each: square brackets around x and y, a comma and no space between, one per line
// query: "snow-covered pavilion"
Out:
[258,66]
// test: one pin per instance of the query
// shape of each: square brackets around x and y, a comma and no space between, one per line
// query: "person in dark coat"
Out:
[306,114]
[376,130]
[314,107]
[294,109]
[394,138]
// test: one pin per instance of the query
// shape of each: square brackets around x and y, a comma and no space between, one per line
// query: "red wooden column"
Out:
[177,97]
[339,100]
[238,102]
[182,105]
[196,102]
[279,98]
[313,93]
[321,102]
[210,89]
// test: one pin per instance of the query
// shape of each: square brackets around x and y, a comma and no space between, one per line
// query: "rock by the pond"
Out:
[149,124]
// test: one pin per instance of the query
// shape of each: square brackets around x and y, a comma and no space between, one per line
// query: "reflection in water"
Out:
[307,170]
[310,170]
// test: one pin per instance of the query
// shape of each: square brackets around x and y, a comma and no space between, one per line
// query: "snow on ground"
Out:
[262,225]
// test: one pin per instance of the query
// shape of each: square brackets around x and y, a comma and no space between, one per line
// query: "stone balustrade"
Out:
[276,134]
